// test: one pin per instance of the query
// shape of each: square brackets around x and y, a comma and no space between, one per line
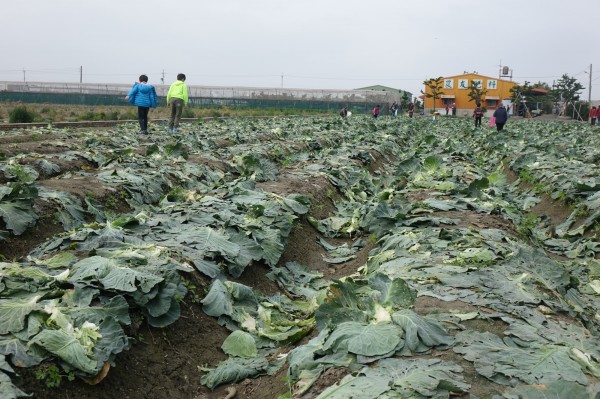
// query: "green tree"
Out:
[517,96]
[404,100]
[541,85]
[435,88]
[567,90]
[476,92]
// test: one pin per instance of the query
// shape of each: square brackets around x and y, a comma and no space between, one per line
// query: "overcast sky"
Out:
[305,44]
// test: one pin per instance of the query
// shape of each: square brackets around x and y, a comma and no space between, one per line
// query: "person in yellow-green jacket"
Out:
[177,97]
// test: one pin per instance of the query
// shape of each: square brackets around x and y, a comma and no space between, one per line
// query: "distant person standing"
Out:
[501,117]
[411,109]
[447,109]
[177,98]
[394,109]
[144,96]
[376,111]
[344,112]
[453,109]
[594,115]
[478,114]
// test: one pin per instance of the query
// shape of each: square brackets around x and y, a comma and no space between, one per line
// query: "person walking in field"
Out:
[376,111]
[177,98]
[478,114]
[594,115]
[144,96]
[501,117]
[394,109]
[411,109]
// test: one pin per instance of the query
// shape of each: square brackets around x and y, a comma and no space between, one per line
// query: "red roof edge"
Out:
[542,91]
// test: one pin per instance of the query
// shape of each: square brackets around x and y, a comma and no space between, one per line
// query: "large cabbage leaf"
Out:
[502,361]
[419,378]
[366,340]
[421,333]
[7,389]
[240,344]
[65,345]
[113,275]
[14,311]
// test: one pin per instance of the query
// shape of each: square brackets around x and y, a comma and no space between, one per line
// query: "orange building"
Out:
[456,90]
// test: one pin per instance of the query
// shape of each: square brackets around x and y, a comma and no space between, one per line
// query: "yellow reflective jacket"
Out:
[178,90]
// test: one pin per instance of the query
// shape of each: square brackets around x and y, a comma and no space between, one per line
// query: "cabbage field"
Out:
[301,258]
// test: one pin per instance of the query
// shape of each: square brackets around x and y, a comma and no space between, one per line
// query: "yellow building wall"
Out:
[458,86]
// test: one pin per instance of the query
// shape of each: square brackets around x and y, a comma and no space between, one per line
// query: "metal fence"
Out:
[358,101]
[112,94]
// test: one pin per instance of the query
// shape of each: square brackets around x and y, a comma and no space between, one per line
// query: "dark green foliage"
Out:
[102,116]
[20,114]
[578,110]
[187,113]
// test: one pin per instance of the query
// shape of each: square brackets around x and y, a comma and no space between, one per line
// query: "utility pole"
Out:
[24,80]
[162,79]
[282,80]
[81,74]
[590,88]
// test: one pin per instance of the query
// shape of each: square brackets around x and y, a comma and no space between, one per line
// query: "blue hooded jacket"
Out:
[143,95]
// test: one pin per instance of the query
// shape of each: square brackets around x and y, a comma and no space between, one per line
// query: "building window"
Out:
[448,101]
[491,103]
[448,84]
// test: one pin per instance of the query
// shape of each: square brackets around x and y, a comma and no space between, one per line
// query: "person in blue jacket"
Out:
[144,96]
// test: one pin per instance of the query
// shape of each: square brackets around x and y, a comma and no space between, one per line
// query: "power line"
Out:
[538,77]
[330,78]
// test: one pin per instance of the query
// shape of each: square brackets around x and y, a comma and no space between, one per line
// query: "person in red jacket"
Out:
[478,114]
[376,111]
[593,115]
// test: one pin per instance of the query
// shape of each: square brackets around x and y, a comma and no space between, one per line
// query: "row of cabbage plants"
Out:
[71,299]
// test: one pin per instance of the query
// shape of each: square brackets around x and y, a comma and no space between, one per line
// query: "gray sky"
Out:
[311,43]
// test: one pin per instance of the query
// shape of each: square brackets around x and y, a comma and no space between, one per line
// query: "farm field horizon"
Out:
[301,257]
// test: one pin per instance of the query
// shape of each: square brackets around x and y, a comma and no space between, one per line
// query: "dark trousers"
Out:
[176,110]
[478,121]
[500,125]
[143,118]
